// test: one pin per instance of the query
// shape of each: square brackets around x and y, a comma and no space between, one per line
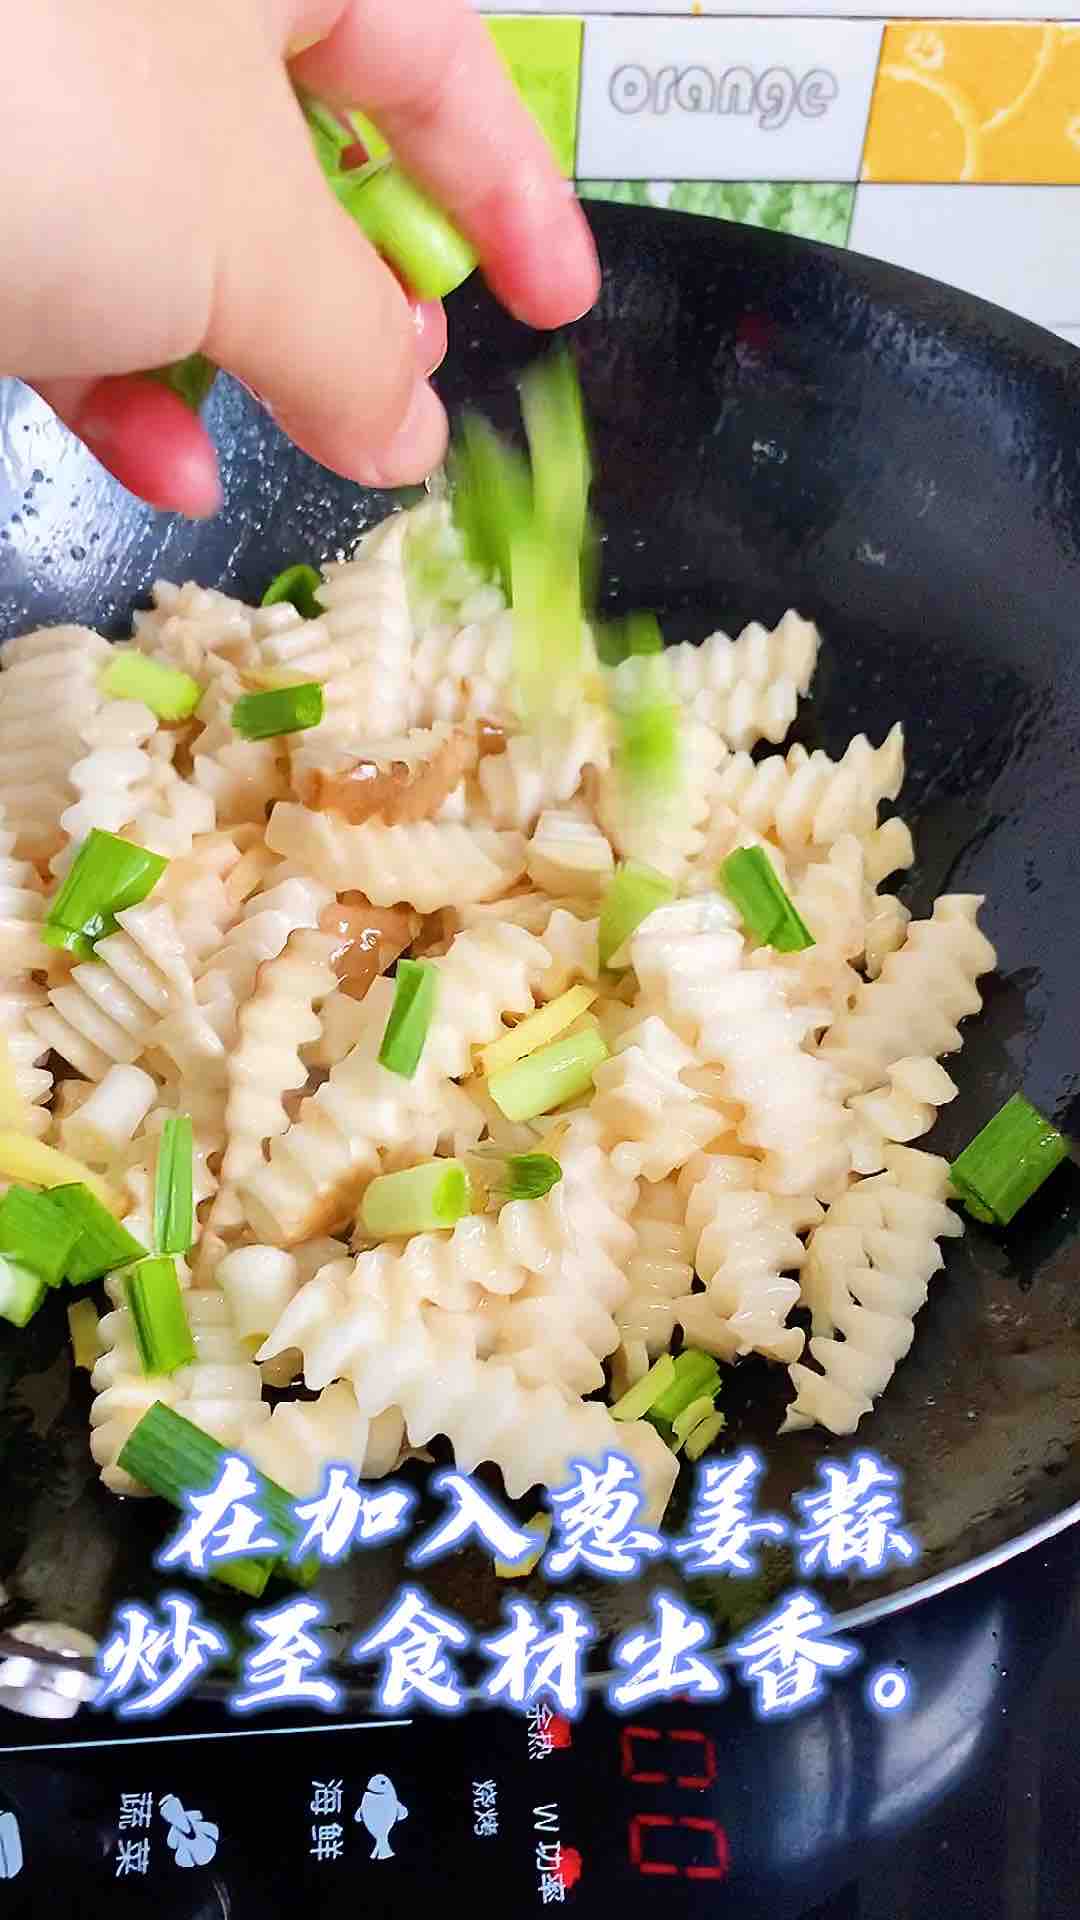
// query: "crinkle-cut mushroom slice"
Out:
[371,939]
[400,790]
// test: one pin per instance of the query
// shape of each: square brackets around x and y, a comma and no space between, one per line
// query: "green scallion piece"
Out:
[549,652]
[190,378]
[170,694]
[264,716]
[298,586]
[106,875]
[407,228]
[528,1176]
[637,1400]
[416,1200]
[634,893]
[684,1423]
[1007,1162]
[648,725]
[416,986]
[749,879]
[250,1577]
[162,1334]
[173,1457]
[554,414]
[37,1234]
[696,1375]
[617,640]
[103,1244]
[21,1292]
[490,495]
[174,1210]
[329,135]
[549,1077]
[704,1435]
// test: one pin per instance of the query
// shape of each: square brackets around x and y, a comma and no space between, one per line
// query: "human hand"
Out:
[162,197]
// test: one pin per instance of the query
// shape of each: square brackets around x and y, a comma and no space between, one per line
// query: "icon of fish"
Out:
[378,1810]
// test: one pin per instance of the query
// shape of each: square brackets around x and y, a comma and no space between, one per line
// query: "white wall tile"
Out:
[783,9]
[698,99]
[1017,246]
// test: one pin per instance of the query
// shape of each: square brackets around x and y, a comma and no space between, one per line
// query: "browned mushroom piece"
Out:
[398,792]
[371,939]
[490,738]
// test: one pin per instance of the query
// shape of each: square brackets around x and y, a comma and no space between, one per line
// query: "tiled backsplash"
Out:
[949,144]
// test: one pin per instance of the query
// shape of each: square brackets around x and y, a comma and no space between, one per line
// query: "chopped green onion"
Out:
[1007,1162]
[37,1234]
[540,1027]
[264,716]
[634,893]
[648,724]
[696,1374]
[549,1077]
[103,1244]
[540,1525]
[85,1339]
[162,1334]
[416,986]
[170,694]
[329,135]
[106,875]
[173,1457]
[190,378]
[174,1210]
[490,495]
[549,653]
[638,633]
[299,587]
[552,560]
[417,1200]
[407,228]
[247,1576]
[528,1176]
[684,1423]
[704,1435]
[638,1399]
[21,1292]
[554,416]
[749,879]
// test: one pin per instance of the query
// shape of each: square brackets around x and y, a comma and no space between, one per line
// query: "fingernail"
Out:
[429,319]
[417,446]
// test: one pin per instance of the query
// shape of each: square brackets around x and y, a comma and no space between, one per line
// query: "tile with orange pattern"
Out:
[976,101]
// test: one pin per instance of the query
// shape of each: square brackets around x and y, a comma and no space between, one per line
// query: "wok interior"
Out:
[775,424]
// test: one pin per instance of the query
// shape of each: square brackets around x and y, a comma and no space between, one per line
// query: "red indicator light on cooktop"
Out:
[559,1731]
[569,1867]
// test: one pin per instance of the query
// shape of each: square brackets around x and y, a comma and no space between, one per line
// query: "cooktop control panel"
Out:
[538,1812]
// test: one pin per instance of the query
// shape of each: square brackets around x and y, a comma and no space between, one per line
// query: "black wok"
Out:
[777,424]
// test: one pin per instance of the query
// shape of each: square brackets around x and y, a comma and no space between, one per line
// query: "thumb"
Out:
[306,313]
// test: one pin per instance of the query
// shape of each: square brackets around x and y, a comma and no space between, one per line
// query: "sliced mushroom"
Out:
[371,939]
[399,792]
